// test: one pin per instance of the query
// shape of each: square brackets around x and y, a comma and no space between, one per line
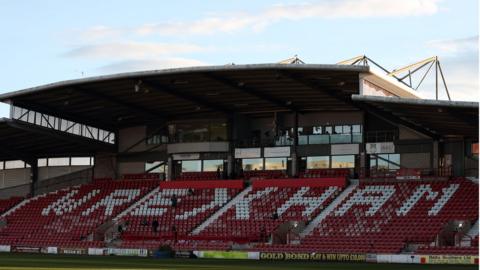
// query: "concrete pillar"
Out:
[230,165]
[294,147]
[435,160]
[33,175]
[294,171]
[169,169]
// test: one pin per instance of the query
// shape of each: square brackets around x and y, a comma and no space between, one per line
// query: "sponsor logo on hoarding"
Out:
[338,257]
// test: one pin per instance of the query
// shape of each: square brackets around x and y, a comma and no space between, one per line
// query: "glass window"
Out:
[191,166]
[382,162]
[340,138]
[328,130]
[317,130]
[385,162]
[42,162]
[212,165]
[347,161]
[275,163]
[319,139]
[356,129]
[58,162]
[14,164]
[338,129]
[346,129]
[1,165]
[80,161]
[158,165]
[251,164]
[320,162]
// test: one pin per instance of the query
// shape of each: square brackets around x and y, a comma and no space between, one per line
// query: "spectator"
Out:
[191,192]
[175,235]
[174,200]
[219,173]
[275,216]
[120,229]
[155,226]
[144,222]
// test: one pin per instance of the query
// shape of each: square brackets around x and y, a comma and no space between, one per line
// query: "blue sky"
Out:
[48,41]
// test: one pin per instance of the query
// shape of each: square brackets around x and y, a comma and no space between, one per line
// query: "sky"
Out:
[53,40]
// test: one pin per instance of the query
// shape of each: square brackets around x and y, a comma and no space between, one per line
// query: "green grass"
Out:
[17,261]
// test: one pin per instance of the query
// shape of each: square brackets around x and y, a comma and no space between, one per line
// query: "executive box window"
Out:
[385,162]
[275,163]
[14,164]
[212,165]
[346,161]
[330,134]
[319,162]
[251,164]
[156,167]
[191,166]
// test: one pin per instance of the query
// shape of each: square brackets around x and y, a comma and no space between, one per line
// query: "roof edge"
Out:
[414,101]
[183,70]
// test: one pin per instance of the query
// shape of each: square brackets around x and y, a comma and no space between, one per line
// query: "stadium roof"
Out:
[20,140]
[438,118]
[135,98]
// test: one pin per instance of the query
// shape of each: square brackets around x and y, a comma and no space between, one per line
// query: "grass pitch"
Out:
[17,261]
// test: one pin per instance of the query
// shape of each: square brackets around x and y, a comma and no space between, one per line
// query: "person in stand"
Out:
[191,192]
[174,200]
[175,235]
[155,226]
[144,222]
[219,173]
[120,229]
[275,216]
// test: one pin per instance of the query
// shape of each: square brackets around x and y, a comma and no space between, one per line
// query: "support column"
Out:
[230,161]
[33,175]
[231,147]
[169,168]
[294,147]
[435,160]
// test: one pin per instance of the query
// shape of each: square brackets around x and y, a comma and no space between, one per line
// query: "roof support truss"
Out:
[252,91]
[129,105]
[193,99]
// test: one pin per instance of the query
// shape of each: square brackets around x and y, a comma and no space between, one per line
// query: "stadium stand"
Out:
[68,217]
[385,217]
[194,202]
[269,203]
[6,204]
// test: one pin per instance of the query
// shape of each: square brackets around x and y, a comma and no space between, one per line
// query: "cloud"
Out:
[229,22]
[138,65]
[132,50]
[454,46]
[459,61]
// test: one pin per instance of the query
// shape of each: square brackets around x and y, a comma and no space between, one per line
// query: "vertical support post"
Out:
[169,168]
[294,156]
[436,77]
[33,175]
[435,159]
[231,146]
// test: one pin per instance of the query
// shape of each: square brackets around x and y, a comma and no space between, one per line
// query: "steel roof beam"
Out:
[190,98]
[65,115]
[114,100]
[62,136]
[252,91]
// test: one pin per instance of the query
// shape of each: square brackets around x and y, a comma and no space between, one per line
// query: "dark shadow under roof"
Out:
[20,140]
[441,117]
